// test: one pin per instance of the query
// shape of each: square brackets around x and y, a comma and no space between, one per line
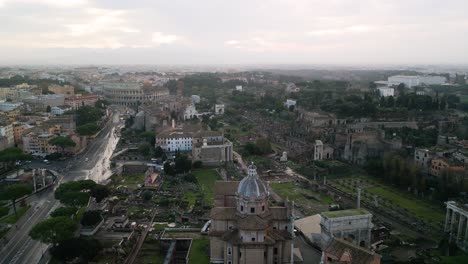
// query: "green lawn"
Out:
[191,197]
[414,206]
[299,194]
[455,259]
[150,253]
[11,219]
[199,252]
[129,180]
[464,98]
[206,180]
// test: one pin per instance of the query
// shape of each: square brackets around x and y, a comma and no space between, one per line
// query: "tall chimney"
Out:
[358,198]
[173,123]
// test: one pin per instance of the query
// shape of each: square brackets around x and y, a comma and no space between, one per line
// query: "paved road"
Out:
[21,248]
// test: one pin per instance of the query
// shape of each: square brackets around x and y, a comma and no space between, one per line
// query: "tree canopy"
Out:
[62,142]
[88,114]
[74,193]
[14,192]
[54,230]
[99,192]
[13,154]
[91,218]
[87,129]
[76,248]
[67,211]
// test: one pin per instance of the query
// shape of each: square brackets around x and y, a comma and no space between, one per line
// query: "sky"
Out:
[234,32]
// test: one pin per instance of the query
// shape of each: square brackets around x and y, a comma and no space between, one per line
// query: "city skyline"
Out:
[241,32]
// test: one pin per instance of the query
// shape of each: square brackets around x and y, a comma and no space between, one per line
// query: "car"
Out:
[86,160]
[46,161]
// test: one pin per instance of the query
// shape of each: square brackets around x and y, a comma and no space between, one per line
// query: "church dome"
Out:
[251,187]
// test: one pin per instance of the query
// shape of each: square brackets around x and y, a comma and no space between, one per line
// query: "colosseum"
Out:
[132,93]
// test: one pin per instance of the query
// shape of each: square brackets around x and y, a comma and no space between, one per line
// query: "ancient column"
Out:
[452,222]
[466,235]
[447,219]
[460,225]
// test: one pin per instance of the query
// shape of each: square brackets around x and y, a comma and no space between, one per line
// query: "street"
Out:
[92,164]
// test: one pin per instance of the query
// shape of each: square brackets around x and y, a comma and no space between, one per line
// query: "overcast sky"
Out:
[234,31]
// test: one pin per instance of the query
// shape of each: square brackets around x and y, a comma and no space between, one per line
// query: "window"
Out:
[349,222]
[263,208]
[275,251]
[242,208]
[285,227]
[253,239]
[274,227]
[252,210]
[229,251]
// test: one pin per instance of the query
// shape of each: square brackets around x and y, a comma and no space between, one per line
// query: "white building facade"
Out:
[190,112]
[386,91]
[176,141]
[7,132]
[219,109]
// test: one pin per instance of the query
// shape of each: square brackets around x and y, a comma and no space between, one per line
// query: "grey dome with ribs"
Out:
[251,187]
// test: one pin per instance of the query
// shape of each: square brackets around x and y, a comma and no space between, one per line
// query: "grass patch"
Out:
[416,207]
[11,219]
[150,253]
[299,194]
[191,198]
[199,252]
[455,259]
[206,180]
[464,98]
[130,180]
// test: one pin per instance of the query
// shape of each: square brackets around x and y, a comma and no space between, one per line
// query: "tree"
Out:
[74,193]
[197,164]
[54,230]
[158,152]
[147,195]
[76,248]
[88,114]
[251,149]
[168,169]
[182,164]
[144,149]
[102,104]
[91,218]
[4,211]
[67,211]
[99,192]
[76,199]
[10,156]
[14,192]
[263,145]
[63,142]
[48,109]
[87,129]
[149,137]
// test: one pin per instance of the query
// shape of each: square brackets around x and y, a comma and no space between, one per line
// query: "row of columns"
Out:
[456,223]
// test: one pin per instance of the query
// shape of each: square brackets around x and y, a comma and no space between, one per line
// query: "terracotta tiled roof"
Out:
[223,213]
[225,187]
[252,222]
[359,255]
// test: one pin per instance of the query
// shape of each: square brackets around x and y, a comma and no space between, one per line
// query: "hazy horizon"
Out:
[334,33]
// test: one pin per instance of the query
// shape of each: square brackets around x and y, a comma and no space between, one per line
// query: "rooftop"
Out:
[345,213]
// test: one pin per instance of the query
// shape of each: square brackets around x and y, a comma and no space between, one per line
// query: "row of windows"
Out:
[252,209]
